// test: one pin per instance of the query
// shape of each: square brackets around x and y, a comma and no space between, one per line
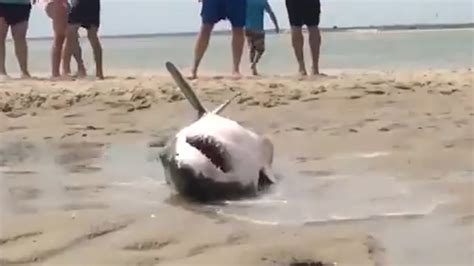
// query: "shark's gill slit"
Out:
[212,149]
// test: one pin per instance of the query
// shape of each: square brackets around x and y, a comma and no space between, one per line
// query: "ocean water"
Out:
[372,50]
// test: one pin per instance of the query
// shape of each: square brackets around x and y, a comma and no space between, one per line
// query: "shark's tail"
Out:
[190,95]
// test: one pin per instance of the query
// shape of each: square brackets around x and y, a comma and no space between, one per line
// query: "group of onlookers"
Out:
[66,19]
[246,18]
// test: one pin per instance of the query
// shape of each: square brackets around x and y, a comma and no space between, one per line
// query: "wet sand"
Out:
[375,168]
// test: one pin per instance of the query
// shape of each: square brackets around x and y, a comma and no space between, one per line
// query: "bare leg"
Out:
[252,54]
[21,47]
[77,54]
[238,39]
[58,14]
[255,62]
[200,48]
[252,51]
[73,47]
[315,44]
[3,37]
[297,41]
[97,50]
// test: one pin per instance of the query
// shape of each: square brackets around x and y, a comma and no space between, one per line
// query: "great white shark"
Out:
[215,158]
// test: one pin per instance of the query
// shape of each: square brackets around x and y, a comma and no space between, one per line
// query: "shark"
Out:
[215,158]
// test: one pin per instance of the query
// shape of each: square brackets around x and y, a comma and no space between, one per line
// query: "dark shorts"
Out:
[85,13]
[256,41]
[15,13]
[215,10]
[303,12]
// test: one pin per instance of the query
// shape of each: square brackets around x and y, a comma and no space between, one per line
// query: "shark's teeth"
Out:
[212,149]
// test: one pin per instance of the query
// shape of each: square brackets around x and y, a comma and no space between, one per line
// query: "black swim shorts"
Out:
[303,12]
[85,13]
[15,13]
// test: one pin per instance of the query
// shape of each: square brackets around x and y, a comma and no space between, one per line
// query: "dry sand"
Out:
[64,202]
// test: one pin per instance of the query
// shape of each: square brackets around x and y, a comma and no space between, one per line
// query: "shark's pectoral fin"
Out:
[221,108]
[186,89]
[165,156]
[267,147]
[266,178]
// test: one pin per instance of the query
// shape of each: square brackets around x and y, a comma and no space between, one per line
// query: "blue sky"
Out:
[164,16]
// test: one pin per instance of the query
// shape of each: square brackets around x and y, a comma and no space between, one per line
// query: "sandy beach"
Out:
[376,168]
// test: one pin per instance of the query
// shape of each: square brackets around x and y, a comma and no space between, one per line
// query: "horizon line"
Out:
[335,28]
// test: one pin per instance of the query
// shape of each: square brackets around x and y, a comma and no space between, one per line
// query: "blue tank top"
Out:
[255,10]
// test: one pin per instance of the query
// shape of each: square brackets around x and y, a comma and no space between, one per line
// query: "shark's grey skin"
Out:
[215,158]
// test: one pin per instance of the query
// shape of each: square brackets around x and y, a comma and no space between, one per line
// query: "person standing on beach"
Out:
[15,14]
[212,12]
[305,12]
[254,30]
[86,14]
[58,10]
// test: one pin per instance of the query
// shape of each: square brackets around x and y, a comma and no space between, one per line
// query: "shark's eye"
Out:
[212,149]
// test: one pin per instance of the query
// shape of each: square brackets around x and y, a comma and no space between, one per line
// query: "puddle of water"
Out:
[367,155]
[79,176]
[305,200]
[113,174]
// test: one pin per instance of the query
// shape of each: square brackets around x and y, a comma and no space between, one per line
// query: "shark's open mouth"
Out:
[212,149]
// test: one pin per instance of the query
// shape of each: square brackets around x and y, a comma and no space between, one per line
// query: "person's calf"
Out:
[258,56]
[315,45]
[97,51]
[21,47]
[202,42]
[3,36]
[73,48]
[69,47]
[297,41]
[56,54]
[238,40]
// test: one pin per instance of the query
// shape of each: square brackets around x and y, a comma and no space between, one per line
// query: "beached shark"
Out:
[215,158]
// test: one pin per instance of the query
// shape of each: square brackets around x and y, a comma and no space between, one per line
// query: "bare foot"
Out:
[317,73]
[4,77]
[60,78]
[25,76]
[99,75]
[80,75]
[236,75]
[193,74]
[302,73]
[254,70]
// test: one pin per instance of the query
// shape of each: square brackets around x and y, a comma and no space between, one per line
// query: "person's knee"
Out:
[92,35]
[238,32]
[59,36]
[206,30]
[314,31]
[71,31]
[3,38]
[3,30]
[19,37]
[19,31]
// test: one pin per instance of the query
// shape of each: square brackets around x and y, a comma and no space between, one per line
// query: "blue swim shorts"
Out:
[215,10]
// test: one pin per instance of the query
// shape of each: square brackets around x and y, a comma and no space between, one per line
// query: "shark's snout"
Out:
[212,149]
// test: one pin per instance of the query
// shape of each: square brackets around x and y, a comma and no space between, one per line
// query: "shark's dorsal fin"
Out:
[225,104]
[186,89]
[191,96]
